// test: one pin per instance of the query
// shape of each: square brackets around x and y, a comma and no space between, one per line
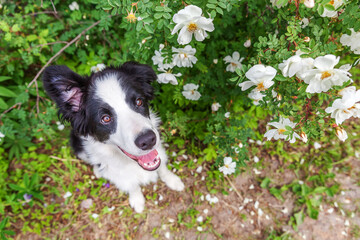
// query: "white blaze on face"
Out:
[129,124]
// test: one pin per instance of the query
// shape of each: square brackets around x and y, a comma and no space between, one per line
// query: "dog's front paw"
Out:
[137,202]
[174,182]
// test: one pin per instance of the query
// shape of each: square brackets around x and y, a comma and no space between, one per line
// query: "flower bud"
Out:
[161,46]
[303,137]
[215,107]
[247,44]
[215,61]
[306,39]
[309,3]
[143,41]
[341,133]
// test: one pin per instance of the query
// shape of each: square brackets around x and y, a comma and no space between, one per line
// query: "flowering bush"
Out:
[216,60]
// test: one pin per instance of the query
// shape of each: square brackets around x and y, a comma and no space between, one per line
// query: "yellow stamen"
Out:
[260,87]
[233,64]
[332,2]
[192,92]
[325,75]
[131,16]
[281,131]
[192,27]
[227,166]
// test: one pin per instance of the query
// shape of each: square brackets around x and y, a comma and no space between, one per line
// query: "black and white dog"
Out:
[112,126]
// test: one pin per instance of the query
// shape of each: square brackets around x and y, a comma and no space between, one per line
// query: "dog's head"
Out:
[111,106]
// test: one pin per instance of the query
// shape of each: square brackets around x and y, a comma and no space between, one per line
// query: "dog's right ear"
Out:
[66,88]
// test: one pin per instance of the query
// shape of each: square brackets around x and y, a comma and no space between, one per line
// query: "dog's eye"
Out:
[139,102]
[105,119]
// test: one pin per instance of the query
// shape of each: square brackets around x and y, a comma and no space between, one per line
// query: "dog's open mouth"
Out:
[150,161]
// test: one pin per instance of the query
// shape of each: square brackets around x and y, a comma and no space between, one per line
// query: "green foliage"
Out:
[32,32]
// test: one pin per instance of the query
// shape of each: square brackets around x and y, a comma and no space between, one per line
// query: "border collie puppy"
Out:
[112,126]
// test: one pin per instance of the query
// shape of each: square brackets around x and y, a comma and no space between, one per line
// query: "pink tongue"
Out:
[148,157]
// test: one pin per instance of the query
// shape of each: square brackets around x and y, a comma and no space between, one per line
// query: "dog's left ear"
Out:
[66,88]
[142,74]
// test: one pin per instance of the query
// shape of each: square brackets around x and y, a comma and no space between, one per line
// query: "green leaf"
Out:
[3,104]
[4,78]
[329,7]
[158,15]
[265,182]
[219,10]
[221,4]
[15,28]
[16,187]
[6,92]
[211,6]
[159,8]
[281,78]
[319,190]
[31,38]
[149,28]
[299,218]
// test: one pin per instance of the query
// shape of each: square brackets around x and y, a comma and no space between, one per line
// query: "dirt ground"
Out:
[247,212]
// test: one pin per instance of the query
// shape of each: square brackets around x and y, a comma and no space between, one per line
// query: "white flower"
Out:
[229,166]
[67,195]
[346,107]
[256,159]
[317,145]
[235,62]
[167,77]
[227,114]
[199,228]
[303,137]
[215,106]
[260,76]
[328,13]
[95,215]
[304,22]
[184,57]
[215,61]
[190,21]
[99,67]
[281,129]
[74,6]
[159,60]
[309,3]
[325,76]
[256,96]
[190,91]
[200,219]
[296,65]
[211,199]
[353,41]
[247,43]
[167,235]
[277,4]
[1,135]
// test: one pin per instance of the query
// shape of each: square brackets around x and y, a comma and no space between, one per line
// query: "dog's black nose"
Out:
[146,140]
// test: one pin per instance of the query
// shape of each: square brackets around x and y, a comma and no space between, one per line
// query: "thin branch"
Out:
[235,189]
[52,3]
[46,44]
[65,160]
[61,50]
[9,109]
